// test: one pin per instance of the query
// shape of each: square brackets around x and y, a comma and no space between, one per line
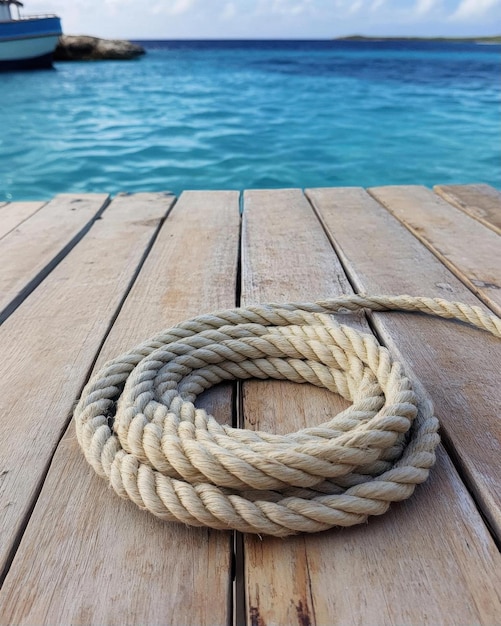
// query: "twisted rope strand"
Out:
[139,428]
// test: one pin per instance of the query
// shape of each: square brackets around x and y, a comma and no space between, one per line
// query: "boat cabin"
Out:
[5,12]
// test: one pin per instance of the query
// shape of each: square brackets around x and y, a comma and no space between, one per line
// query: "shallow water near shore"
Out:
[235,115]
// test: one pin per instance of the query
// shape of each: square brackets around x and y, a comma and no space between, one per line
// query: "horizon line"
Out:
[334,38]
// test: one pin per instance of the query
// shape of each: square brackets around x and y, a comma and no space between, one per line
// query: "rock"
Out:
[85,48]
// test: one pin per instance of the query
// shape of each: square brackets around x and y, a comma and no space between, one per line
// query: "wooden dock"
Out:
[83,279]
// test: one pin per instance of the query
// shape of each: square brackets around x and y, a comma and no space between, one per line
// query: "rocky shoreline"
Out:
[86,48]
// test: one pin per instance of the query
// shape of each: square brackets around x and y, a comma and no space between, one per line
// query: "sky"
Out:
[272,19]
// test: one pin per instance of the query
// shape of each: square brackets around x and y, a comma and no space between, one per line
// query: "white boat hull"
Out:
[25,49]
[28,42]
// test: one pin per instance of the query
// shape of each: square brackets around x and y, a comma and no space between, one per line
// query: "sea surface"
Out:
[240,114]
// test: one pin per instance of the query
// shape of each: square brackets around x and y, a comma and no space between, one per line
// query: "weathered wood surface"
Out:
[29,252]
[50,343]
[285,257]
[15,213]
[308,579]
[458,365]
[72,552]
[155,573]
[483,202]
[469,249]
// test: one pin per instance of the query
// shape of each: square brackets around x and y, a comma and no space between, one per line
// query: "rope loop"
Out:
[138,425]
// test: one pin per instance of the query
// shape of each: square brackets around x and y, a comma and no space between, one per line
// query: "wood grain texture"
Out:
[429,560]
[49,344]
[87,557]
[405,567]
[285,256]
[458,365]
[15,213]
[481,201]
[110,563]
[30,252]
[469,249]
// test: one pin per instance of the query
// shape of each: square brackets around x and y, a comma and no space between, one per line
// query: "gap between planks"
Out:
[458,364]
[464,245]
[110,543]
[293,580]
[30,251]
[15,213]
[311,572]
[480,201]
[41,370]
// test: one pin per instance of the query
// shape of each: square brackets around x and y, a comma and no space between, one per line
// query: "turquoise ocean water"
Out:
[234,115]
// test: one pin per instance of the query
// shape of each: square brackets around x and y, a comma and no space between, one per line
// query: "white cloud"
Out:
[178,7]
[283,8]
[377,4]
[473,9]
[229,11]
[356,6]
[156,19]
[49,6]
[297,9]
[423,7]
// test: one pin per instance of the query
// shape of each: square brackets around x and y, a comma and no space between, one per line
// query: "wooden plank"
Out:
[15,213]
[401,568]
[285,254]
[458,365]
[30,251]
[404,567]
[481,201]
[469,249]
[49,344]
[117,564]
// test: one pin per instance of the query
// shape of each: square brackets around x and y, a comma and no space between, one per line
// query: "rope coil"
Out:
[139,428]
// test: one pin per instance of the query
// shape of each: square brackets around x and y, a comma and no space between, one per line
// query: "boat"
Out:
[26,42]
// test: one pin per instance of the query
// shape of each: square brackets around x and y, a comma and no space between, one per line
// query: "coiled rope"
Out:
[139,428]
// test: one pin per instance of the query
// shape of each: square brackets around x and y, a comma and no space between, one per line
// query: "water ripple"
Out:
[246,115]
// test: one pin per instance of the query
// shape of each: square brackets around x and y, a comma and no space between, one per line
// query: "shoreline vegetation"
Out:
[490,39]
